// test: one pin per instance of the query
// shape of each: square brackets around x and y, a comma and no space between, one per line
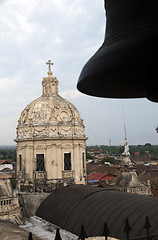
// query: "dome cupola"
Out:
[50,115]
[51,142]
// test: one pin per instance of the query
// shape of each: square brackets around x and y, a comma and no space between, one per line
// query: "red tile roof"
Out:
[154,192]
[2,161]
[99,177]
[107,177]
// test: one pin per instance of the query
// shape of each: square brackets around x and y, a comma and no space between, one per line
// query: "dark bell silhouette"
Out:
[126,65]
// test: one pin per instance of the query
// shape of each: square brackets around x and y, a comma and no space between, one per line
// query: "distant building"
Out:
[127,179]
[6,163]
[7,169]
[97,178]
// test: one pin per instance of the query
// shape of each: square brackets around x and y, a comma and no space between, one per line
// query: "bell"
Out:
[126,65]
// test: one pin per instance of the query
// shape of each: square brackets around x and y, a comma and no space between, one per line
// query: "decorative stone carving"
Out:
[66,129]
[67,146]
[40,130]
[63,115]
[49,111]
[40,175]
[31,146]
[68,174]
[23,115]
[49,125]
[57,105]
[127,179]
[59,145]
[40,147]
[40,113]
[53,129]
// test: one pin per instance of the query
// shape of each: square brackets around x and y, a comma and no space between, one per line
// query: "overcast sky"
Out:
[68,32]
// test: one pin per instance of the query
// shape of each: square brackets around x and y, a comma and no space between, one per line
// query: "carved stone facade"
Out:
[127,179]
[50,141]
[9,206]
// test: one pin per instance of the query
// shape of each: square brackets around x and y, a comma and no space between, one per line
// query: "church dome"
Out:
[50,115]
[49,110]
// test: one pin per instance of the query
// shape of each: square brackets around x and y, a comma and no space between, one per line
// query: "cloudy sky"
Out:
[68,32]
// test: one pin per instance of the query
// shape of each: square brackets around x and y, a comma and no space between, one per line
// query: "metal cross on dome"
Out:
[49,63]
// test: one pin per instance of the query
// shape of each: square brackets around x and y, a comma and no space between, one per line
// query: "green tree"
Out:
[108,159]
[89,156]
[8,153]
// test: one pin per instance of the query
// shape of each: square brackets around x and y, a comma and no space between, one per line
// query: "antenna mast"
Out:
[124,122]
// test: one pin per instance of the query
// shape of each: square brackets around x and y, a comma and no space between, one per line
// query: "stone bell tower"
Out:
[50,142]
[127,179]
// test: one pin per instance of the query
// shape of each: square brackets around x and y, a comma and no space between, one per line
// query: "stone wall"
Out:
[12,214]
[29,202]
[11,231]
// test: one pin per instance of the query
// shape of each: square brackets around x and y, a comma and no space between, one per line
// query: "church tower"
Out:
[127,179]
[50,142]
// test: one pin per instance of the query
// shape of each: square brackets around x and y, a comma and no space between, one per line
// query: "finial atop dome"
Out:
[50,84]
[49,63]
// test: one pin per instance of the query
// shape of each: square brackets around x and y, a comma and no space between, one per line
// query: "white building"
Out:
[6,164]
[50,142]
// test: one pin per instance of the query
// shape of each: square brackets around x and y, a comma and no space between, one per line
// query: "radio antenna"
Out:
[124,122]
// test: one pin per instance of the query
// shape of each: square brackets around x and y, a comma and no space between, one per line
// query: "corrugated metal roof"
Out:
[72,206]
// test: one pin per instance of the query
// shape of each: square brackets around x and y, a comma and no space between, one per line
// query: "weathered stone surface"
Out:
[9,205]
[10,231]
[51,128]
[50,115]
[29,202]
[127,179]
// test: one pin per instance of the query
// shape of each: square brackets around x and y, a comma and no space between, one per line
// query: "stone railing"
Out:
[5,202]
[67,174]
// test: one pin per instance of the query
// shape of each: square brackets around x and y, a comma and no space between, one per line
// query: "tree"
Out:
[89,156]
[108,159]
[8,153]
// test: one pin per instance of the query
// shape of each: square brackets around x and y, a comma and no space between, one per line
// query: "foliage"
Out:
[8,153]
[146,149]
[89,156]
[108,159]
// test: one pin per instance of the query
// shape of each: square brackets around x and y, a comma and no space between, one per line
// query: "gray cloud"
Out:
[68,32]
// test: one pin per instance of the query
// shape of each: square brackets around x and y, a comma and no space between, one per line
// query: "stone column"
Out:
[24,160]
[31,160]
[60,161]
[54,162]
[77,162]
[48,161]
